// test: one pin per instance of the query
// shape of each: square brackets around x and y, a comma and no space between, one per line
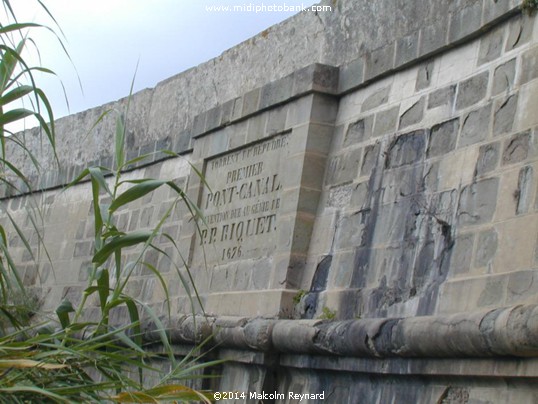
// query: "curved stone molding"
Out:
[511,331]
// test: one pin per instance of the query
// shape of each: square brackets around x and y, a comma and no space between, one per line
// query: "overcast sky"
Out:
[106,38]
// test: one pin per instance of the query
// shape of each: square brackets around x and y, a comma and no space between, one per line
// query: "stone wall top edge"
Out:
[329,77]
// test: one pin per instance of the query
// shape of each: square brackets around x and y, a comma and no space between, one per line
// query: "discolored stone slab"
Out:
[386,121]
[406,149]
[475,126]
[443,138]
[486,248]
[413,114]
[516,149]
[472,90]
[443,96]
[488,158]
[478,202]
[505,112]
[503,77]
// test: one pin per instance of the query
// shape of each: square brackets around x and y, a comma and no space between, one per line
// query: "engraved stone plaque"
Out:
[241,208]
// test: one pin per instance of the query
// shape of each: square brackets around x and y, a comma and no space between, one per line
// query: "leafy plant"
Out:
[530,6]
[327,314]
[20,98]
[298,296]
[79,358]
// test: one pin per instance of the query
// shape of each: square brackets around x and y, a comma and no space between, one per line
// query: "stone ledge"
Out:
[315,78]
[464,24]
[511,331]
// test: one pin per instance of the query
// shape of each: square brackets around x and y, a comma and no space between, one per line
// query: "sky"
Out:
[107,39]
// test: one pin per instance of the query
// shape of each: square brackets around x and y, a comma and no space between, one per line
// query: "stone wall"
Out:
[371,220]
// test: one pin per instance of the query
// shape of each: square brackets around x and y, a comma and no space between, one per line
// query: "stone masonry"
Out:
[371,214]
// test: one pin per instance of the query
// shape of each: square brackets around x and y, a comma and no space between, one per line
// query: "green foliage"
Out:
[79,358]
[17,87]
[530,6]
[327,314]
[298,296]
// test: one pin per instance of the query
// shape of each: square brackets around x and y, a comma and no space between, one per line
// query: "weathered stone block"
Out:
[432,37]
[443,138]
[486,247]
[350,229]
[478,202]
[255,130]
[146,217]
[261,274]
[431,176]
[378,98]
[299,111]
[351,75]
[360,195]
[386,121]
[519,32]
[517,240]
[505,112]
[503,77]
[401,183]
[379,61]
[340,196]
[237,108]
[198,124]
[516,149]
[465,21]
[344,167]
[443,96]
[493,292]
[82,249]
[324,108]
[251,102]
[406,48]
[488,158]
[524,190]
[472,90]
[227,110]
[276,121]
[213,118]
[316,77]
[406,149]
[370,158]
[491,46]
[276,92]
[413,114]
[475,126]
[340,276]
[494,10]
[529,63]
[521,287]
[424,75]
[242,275]
[182,142]
[359,131]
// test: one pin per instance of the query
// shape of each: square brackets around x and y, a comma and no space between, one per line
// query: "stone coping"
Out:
[462,25]
[315,78]
[508,331]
